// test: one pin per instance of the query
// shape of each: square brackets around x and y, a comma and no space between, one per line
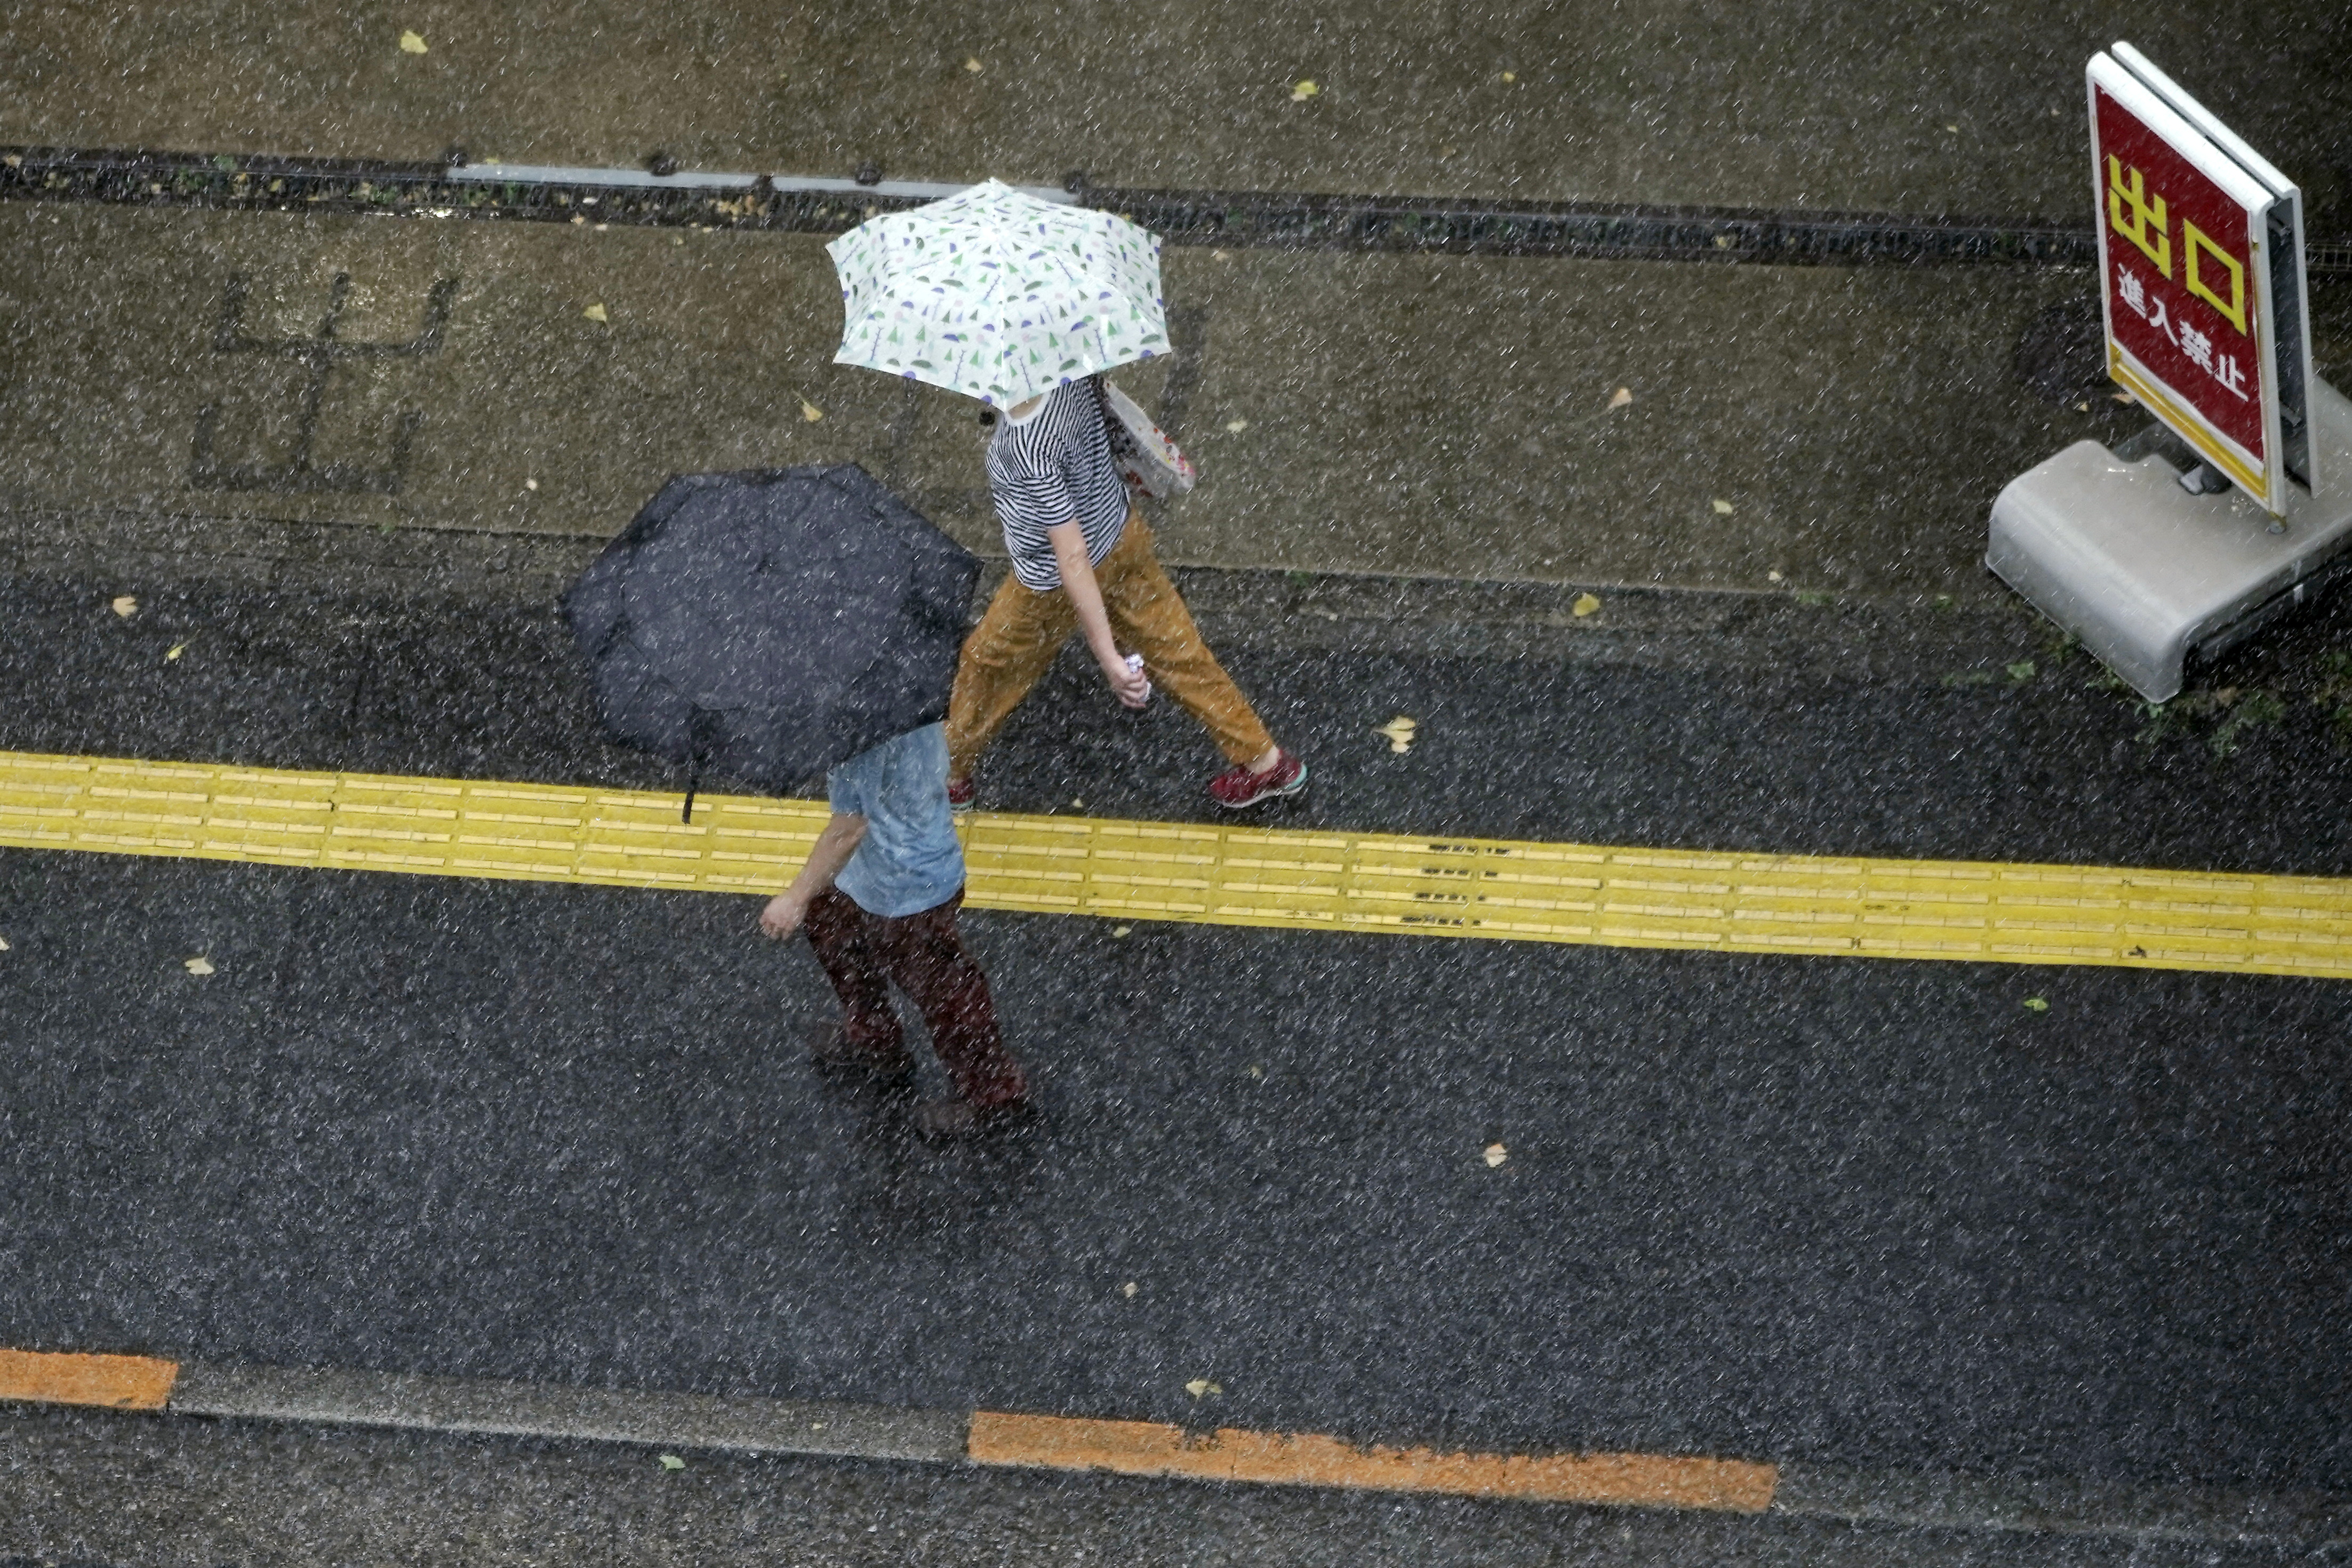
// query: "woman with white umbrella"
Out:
[1019,302]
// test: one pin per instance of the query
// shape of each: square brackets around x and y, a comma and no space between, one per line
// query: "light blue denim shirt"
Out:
[909,860]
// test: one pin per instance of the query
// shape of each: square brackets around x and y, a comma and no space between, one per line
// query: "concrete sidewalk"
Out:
[1958,108]
[1790,430]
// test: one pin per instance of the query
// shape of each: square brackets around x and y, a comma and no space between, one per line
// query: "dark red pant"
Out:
[861,953]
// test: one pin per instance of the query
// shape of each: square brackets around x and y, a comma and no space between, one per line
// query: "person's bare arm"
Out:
[826,857]
[1070,541]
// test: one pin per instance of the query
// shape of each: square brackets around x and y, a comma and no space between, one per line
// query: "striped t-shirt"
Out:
[1050,469]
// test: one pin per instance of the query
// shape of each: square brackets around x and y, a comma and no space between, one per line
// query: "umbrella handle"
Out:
[699,723]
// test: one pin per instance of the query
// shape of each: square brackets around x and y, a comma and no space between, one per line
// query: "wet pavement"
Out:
[1974,108]
[1870,1213]
[1786,429]
[1884,1217]
[95,1490]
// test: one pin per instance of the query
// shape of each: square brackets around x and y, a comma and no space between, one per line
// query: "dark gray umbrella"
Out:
[768,624]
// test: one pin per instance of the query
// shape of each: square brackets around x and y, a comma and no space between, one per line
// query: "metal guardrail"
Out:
[661,196]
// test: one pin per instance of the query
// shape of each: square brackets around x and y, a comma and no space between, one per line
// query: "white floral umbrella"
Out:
[998,295]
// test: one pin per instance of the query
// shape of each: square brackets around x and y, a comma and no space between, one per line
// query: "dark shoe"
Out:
[949,1121]
[1237,787]
[833,1052]
[961,793]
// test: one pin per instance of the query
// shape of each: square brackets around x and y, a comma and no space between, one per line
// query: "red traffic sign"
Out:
[2200,246]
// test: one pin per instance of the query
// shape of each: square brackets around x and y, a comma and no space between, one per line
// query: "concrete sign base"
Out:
[2113,548]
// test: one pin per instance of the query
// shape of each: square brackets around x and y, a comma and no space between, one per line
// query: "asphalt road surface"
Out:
[1859,1213]
[93,1490]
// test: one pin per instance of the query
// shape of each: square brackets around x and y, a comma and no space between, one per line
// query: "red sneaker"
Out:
[961,793]
[1237,787]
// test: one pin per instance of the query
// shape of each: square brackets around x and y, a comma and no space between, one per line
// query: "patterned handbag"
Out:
[1142,453]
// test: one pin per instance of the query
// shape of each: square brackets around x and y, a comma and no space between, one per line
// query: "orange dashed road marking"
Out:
[1306,1459]
[116,1382]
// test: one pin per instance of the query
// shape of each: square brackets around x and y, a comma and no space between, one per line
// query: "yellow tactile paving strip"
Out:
[1823,905]
[1305,1458]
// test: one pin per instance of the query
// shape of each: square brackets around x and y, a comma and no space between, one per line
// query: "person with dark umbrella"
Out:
[878,896]
[782,623]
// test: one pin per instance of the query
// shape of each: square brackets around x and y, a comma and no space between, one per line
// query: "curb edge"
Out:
[840,1429]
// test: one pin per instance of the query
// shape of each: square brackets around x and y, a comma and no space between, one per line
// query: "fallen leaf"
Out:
[1303,91]
[177,649]
[1724,241]
[1122,931]
[596,312]
[126,606]
[1951,128]
[411,44]
[1511,76]
[3,944]
[2036,1004]
[13,161]
[1586,604]
[1236,426]
[1079,803]
[1127,1290]
[2082,408]
[672,1462]
[2125,398]
[1220,256]
[1622,396]
[531,484]
[1773,577]
[199,964]
[810,412]
[971,65]
[1495,1155]
[1201,1385]
[2021,671]
[1722,508]
[1399,730]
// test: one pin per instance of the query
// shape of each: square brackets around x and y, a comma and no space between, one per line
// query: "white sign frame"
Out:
[2272,206]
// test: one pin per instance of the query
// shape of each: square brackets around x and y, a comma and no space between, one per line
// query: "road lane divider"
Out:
[1211,873]
[659,1422]
[492,1407]
[1309,1460]
[71,1377]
